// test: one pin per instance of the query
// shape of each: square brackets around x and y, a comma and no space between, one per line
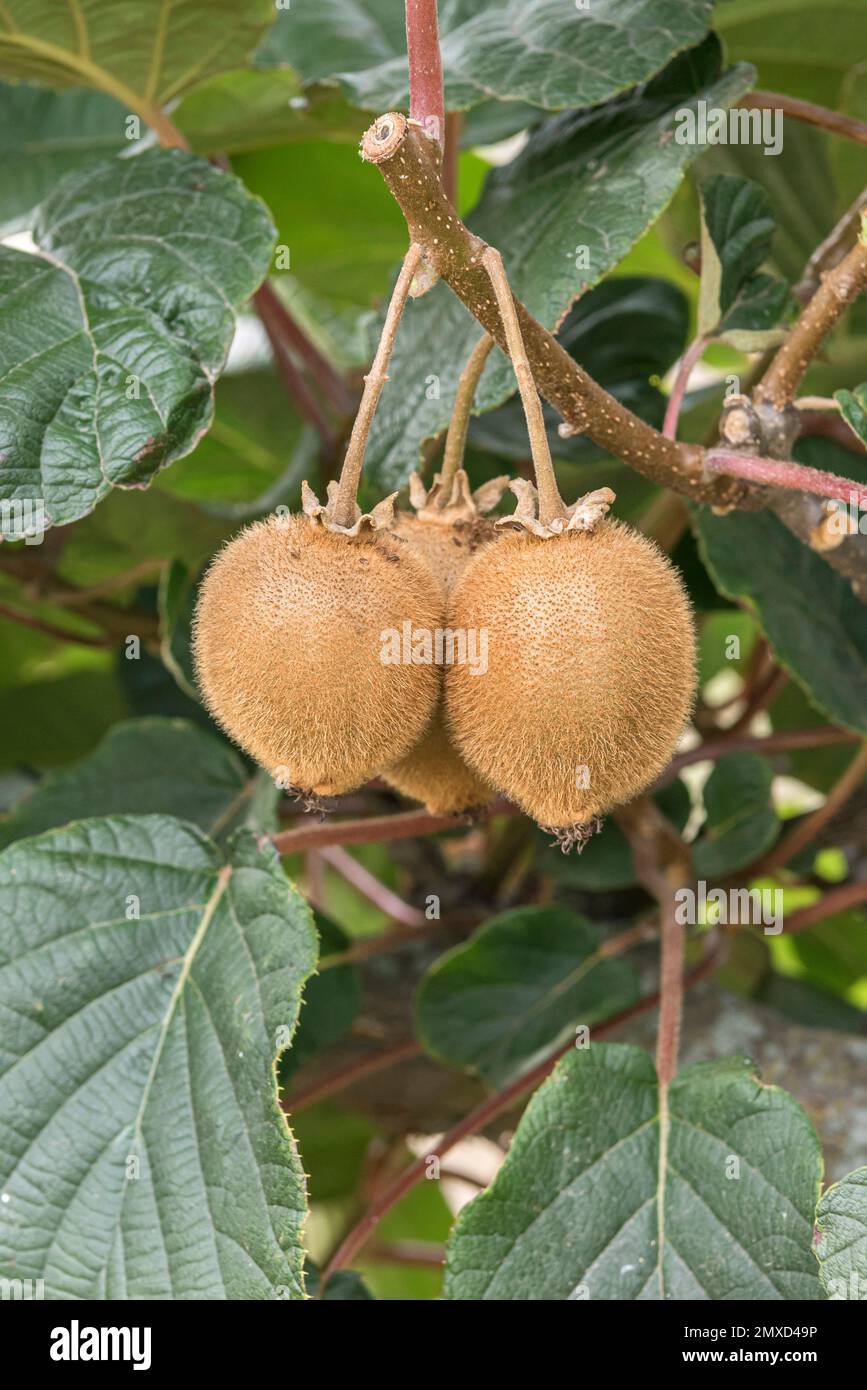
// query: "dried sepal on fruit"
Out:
[447,528]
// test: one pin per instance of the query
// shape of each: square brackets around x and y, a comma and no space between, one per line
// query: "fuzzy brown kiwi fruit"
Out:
[288,644]
[447,528]
[591,669]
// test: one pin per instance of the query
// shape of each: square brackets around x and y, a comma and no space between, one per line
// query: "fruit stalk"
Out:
[350,474]
[456,439]
[551,506]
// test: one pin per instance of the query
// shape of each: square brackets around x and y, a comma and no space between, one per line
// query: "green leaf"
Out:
[144,1154]
[44,135]
[741,821]
[522,983]
[589,1203]
[146,766]
[538,51]
[736,303]
[144,52]
[115,335]
[349,237]
[841,1238]
[59,718]
[853,408]
[248,109]
[810,615]
[584,189]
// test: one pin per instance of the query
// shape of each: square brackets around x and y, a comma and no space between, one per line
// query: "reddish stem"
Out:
[336,392]
[672,411]
[297,388]
[838,900]
[371,888]
[347,1076]
[404,825]
[783,473]
[426,103]
[781,741]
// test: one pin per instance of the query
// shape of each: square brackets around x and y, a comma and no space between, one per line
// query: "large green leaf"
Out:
[144,1154]
[592,1202]
[545,52]
[146,766]
[143,52]
[115,335]
[522,982]
[581,193]
[741,821]
[344,242]
[841,1238]
[44,135]
[816,625]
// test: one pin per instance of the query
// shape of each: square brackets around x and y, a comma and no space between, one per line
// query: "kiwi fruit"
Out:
[591,665]
[288,644]
[447,528]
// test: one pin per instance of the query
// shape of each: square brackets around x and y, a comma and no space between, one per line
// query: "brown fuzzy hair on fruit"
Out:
[591,668]
[288,643]
[447,528]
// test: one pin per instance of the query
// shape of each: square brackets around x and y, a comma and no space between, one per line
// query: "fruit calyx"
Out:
[583,515]
[450,501]
[569,837]
[380,518]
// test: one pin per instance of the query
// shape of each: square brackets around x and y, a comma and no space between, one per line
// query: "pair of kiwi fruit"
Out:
[590,662]
[589,639]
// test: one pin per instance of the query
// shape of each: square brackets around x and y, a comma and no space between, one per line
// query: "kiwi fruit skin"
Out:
[288,639]
[591,670]
[433,771]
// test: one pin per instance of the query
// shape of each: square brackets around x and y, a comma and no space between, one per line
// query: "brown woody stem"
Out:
[456,439]
[350,475]
[550,502]
[400,153]
[839,288]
